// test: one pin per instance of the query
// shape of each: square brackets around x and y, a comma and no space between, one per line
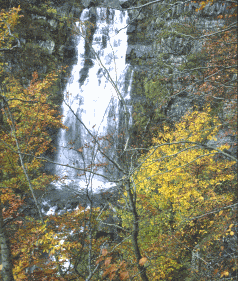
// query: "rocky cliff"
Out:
[45,32]
[164,39]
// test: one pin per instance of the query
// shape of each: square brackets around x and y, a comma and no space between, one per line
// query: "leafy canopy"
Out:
[178,180]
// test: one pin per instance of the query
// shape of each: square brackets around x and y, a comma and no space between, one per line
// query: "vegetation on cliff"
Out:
[176,218]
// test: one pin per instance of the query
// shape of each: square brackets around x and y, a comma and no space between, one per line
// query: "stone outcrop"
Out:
[154,38]
[46,38]
[49,45]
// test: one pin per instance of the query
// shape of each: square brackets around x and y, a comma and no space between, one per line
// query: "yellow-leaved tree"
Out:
[185,188]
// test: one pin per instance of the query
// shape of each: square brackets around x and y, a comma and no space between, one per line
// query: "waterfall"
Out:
[90,101]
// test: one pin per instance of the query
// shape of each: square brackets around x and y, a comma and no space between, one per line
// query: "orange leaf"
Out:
[113,268]
[122,264]
[142,261]
[215,271]
[108,261]
[124,275]
[112,275]
[104,252]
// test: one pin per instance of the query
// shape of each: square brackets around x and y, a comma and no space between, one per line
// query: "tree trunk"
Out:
[6,271]
[135,233]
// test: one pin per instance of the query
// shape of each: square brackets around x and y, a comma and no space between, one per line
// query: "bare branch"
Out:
[212,212]
[95,139]
[13,47]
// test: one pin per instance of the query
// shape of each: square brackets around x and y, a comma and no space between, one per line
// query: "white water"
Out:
[95,102]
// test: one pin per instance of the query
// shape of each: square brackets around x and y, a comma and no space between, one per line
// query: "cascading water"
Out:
[91,104]
[91,108]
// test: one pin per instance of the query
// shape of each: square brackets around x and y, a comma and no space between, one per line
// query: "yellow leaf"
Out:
[52,252]
[225,273]
[232,233]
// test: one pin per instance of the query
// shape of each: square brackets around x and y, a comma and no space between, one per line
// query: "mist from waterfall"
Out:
[91,102]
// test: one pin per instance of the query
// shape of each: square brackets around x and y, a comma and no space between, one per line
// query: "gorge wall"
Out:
[162,42]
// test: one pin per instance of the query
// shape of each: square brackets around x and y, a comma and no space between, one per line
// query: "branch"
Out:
[13,132]
[92,273]
[69,166]
[207,35]
[212,212]
[16,46]
[154,2]
[95,139]
[7,220]
[177,167]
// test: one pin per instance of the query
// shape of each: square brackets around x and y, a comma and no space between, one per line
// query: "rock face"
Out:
[150,37]
[158,46]
[125,3]
[90,3]
[46,38]
[48,45]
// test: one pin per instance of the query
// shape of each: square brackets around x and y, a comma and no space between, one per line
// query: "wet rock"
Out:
[46,208]
[53,23]
[68,51]
[131,29]
[60,206]
[74,204]
[68,206]
[125,3]
[139,51]
[178,107]
[76,12]
[89,3]
[49,45]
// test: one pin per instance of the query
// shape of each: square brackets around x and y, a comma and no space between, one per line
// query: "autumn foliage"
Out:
[181,186]
[178,200]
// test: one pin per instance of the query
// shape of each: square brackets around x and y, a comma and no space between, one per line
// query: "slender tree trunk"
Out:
[6,271]
[13,132]
[135,233]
